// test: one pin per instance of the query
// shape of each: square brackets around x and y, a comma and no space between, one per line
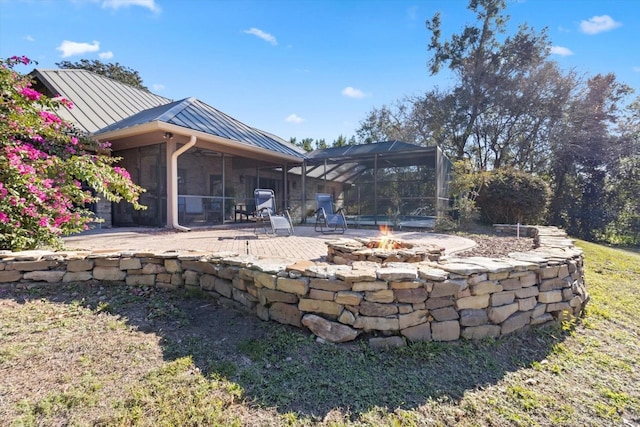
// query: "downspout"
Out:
[174,173]
[375,189]
[304,191]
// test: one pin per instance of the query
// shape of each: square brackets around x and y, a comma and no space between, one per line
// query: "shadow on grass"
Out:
[283,367]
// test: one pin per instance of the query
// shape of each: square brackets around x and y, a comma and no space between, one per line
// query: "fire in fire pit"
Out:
[386,242]
[383,249]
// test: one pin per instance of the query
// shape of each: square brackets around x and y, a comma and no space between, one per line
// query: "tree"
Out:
[115,71]
[340,142]
[321,144]
[586,150]
[506,100]
[506,95]
[625,201]
[625,181]
[389,123]
[466,184]
[48,170]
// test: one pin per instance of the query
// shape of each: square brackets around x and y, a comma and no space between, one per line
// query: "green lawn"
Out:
[110,355]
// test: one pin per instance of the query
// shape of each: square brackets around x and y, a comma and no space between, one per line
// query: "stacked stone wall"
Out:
[471,298]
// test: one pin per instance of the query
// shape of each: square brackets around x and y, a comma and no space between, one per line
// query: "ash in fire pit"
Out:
[382,250]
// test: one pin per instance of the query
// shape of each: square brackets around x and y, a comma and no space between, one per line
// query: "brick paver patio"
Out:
[305,244]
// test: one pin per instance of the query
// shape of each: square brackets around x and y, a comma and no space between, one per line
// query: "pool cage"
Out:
[385,183]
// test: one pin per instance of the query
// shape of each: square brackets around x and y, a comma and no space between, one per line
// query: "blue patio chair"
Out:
[328,220]
[267,216]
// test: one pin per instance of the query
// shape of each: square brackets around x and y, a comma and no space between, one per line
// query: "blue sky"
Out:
[305,68]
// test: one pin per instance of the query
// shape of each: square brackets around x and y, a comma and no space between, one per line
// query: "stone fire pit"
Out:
[408,292]
[381,250]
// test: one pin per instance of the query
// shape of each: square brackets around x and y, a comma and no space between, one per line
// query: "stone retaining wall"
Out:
[453,298]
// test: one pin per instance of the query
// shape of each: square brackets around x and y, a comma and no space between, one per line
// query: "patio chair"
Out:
[267,216]
[328,220]
[421,211]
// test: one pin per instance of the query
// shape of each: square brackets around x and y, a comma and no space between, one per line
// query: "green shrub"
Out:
[510,196]
[464,188]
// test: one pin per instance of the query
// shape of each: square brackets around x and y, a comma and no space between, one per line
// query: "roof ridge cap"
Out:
[173,111]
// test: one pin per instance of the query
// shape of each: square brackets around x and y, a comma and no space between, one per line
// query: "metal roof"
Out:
[368,150]
[98,100]
[194,114]
[102,104]
[344,164]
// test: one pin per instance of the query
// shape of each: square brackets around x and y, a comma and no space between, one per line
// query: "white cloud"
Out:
[636,69]
[105,55]
[294,118]
[157,87]
[412,13]
[261,34]
[29,38]
[69,48]
[351,92]
[117,4]
[562,51]
[599,24]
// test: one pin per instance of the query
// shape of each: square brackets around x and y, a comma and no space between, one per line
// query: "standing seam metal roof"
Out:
[194,114]
[98,100]
[102,104]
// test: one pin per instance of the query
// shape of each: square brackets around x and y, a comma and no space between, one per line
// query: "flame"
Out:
[385,242]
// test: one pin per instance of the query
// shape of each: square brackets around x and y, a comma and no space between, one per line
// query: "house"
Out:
[199,166]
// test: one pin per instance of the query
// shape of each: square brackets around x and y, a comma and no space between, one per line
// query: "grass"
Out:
[115,356]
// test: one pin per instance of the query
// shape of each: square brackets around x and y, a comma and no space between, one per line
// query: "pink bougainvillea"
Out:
[31,94]
[48,173]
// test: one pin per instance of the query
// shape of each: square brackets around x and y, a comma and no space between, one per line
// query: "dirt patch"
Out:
[496,246]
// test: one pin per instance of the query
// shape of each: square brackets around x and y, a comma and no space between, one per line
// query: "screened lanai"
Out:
[199,166]
[380,183]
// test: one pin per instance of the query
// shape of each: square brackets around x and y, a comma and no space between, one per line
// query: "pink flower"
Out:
[49,117]
[31,94]
[20,59]
[4,218]
[122,172]
[65,102]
